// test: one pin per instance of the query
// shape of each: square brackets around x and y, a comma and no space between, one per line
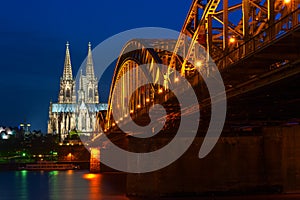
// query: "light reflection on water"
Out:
[30,185]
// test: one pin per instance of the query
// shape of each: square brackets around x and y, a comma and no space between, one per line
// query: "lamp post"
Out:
[70,156]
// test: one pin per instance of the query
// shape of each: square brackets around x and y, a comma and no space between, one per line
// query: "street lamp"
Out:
[198,63]
[232,40]
[70,156]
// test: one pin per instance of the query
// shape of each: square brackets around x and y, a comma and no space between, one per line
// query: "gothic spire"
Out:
[67,75]
[89,63]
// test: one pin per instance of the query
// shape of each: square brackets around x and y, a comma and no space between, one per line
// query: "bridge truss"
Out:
[252,42]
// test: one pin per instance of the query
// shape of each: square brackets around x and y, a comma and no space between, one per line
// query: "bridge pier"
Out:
[265,162]
[95,160]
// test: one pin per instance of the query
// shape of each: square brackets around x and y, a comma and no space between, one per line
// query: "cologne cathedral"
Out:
[76,110]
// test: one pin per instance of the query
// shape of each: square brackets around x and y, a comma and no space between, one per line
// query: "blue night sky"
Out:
[33,34]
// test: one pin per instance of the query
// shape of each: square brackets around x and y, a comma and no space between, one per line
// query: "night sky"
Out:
[33,34]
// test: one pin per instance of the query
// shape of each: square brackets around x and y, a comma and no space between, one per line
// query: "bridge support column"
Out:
[246,12]
[225,31]
[265,162]
[95,160]
[271,17]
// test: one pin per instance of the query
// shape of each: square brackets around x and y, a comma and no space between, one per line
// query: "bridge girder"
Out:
[228,31]
[215,26]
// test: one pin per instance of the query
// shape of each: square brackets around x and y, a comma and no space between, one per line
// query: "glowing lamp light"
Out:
[287,1]
[198,63]
[160,90]
[176,79]
[90,176]
[131,111]
[69,172]
[139,106]
[232,40]
[113,124]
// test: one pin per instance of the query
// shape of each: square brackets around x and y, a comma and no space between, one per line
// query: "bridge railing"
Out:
[269,35]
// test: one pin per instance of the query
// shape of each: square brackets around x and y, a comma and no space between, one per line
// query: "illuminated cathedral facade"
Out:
[76,110]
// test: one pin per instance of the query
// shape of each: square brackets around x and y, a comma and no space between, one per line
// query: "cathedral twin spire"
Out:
[89,63]
[88,86]
[75,112]
[67,75]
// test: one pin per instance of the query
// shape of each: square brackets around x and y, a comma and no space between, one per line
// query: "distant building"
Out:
[25,127]
[76,112]
[6,133]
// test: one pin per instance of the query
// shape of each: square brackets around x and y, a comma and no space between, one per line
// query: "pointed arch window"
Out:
[68,93]
[91,93]
[83,122]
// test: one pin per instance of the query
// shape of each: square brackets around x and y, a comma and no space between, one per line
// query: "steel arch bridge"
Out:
[227,40]
[254,43]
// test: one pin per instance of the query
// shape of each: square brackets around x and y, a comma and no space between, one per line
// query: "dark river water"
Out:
[82,185]
[30,185]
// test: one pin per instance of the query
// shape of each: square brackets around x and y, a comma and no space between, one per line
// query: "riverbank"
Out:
[17,166]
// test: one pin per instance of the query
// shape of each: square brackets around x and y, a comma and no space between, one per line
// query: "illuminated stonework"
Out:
[71,114]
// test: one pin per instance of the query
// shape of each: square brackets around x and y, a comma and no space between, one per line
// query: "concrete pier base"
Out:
[268,161]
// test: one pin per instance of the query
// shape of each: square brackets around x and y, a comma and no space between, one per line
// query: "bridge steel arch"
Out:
[135,53]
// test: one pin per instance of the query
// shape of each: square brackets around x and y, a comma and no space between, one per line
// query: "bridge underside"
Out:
[275,104]
[262,89]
